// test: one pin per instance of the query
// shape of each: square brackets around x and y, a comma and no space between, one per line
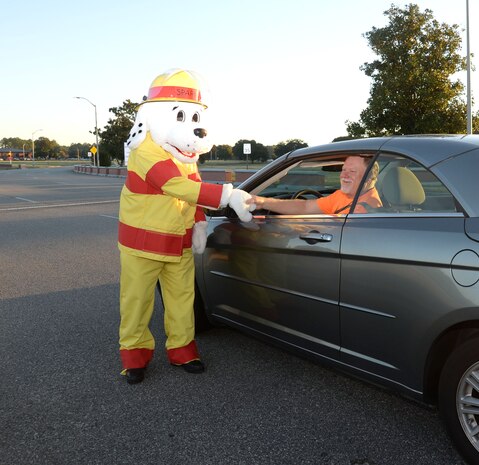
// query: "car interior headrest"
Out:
[400,186]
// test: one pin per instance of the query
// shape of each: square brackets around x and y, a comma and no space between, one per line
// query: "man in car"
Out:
[339,201]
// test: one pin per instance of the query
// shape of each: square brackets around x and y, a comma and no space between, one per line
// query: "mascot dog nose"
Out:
[200,132]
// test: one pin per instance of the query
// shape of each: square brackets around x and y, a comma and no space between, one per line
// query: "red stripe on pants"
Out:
[135,358]
[182,355]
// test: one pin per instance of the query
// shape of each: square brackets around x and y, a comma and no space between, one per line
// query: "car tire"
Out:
[458,399]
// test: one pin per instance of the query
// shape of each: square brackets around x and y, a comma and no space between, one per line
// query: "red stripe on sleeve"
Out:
[210,195]
[162,172]
[199,215]
[195,177]
[135,184]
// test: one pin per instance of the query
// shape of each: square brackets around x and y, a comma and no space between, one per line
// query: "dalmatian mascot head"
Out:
[174,114]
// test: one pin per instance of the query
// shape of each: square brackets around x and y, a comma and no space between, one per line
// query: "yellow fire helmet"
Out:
[176,85]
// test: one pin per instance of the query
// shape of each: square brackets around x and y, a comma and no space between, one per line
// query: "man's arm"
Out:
[286,206]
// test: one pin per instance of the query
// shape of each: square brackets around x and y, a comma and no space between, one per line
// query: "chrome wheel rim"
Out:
[467,404]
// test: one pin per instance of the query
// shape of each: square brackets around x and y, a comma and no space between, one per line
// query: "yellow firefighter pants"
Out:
[137,291]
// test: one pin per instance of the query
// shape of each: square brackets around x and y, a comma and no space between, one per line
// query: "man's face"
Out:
[351,175]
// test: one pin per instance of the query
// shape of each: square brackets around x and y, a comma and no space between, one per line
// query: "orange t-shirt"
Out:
[339,202]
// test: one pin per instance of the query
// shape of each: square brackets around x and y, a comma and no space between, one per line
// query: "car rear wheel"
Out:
[459,399]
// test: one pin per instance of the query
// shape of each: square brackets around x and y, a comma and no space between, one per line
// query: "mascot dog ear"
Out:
[138,132]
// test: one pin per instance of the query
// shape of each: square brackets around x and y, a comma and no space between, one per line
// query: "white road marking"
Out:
[108,216]
[26,200]
[58,205]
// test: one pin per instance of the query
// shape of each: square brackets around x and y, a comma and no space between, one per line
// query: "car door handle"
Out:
[315,236]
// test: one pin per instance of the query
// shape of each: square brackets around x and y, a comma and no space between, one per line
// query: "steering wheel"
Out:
[300,194]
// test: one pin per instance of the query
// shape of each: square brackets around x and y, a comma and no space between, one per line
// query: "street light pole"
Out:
[469,99]
[96,133]
[33,145]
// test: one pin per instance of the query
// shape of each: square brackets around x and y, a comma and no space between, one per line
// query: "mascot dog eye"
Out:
[180,116]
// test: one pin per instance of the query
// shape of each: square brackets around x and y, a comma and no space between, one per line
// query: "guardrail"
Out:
[214,175]
[100,170]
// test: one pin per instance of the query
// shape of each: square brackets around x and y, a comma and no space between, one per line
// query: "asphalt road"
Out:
[63,401]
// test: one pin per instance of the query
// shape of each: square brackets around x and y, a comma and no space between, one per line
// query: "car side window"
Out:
[405,186]
[306,180]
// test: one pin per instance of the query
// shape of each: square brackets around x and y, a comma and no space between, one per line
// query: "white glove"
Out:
[226,194]
[238,203]
[199,237]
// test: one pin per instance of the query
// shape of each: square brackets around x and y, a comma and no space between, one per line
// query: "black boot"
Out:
[135,375]
[195,366]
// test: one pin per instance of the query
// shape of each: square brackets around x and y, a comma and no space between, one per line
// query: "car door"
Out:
[396,281]
[278,275]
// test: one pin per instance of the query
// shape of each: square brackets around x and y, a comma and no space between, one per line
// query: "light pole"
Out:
[469,100]
[33,145]
[96,133]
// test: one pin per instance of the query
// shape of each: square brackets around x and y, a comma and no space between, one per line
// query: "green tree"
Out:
[224,152]
[341,138]
[48,149]
[238,152]
[413,90]
[16,143]
[259,152]
[217,152]
[78,150]
[287,146]
[115,133]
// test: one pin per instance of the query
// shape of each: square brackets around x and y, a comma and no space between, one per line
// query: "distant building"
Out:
[7,153]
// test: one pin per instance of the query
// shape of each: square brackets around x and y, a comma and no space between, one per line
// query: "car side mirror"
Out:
[225,211]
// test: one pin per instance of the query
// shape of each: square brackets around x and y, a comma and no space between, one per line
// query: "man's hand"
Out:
[255,202]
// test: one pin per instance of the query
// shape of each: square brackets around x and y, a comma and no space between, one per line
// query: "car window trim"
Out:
[408,215]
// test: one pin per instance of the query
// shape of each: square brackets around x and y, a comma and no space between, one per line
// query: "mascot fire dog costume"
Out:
[162,222]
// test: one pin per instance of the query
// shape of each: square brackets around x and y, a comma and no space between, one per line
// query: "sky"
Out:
[275,69]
